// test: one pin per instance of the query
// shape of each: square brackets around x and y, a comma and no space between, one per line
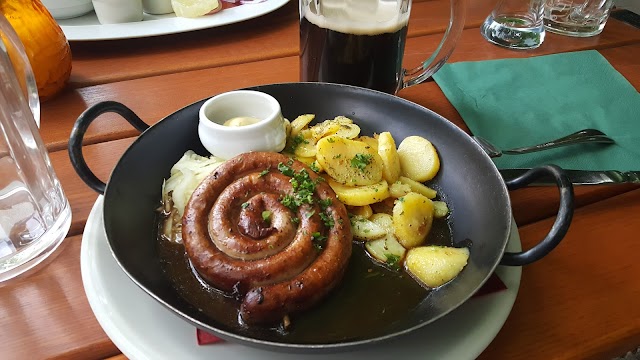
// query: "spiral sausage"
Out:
[273,262]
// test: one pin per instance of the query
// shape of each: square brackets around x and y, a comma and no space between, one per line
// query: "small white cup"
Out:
[157,7]
[118,11]
[268,134]
[67,9]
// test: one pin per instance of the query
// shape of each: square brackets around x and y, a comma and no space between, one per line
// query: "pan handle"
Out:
[80,128]
[563,218]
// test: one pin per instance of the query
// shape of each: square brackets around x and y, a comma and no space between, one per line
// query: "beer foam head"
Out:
[358,17]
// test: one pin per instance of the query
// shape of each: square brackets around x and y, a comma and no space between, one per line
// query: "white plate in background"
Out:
[88,28]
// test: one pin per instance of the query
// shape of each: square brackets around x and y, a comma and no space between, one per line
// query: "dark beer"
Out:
[372,59]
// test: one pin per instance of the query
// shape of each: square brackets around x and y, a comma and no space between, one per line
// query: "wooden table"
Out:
[580,302]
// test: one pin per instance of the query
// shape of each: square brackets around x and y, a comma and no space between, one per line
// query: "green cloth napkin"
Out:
[521,102]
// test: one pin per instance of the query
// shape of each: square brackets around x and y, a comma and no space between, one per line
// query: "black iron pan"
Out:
[361,311]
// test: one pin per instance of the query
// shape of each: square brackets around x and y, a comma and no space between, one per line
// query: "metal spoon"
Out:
[580,137]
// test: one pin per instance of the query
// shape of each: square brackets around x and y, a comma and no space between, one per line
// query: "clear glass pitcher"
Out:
[361,42]
[35,215]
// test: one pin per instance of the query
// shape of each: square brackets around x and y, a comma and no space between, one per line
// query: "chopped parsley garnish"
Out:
[360,161]
[302,181]
[295,142]
[303,187]
[327,220]
[303,193]
[325,203]
[304,197]
[289,201]
[266,215]
[295,220]
[393,261]
[264,172]
[319,240]
[286,169]
[244,205]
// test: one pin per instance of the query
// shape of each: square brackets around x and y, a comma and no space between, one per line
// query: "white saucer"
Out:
[143,329]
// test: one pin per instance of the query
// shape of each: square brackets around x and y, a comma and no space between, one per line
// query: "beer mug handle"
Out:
[444,49]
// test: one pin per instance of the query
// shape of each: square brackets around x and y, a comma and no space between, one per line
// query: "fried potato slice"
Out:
[419,159]
[440,209]
[325,128]
[420,188]
[348,161]
[306,148]
[371,141]
[398,189]
[390,159]
[306,160]
[348,131]
[387,250]
[360,195]
[365,229]
[412,219]
[364,211]
[340,126]
[435,266]
[300,123]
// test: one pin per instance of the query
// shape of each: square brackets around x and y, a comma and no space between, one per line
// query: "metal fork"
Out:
[579,137]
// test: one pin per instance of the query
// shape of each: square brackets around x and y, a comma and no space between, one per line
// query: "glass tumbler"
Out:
[35,215]
[515,24]
[580,18]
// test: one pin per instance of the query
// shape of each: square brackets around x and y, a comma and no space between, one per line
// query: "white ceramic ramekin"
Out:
[268,134]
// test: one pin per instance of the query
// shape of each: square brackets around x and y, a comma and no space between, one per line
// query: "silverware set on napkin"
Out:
[577,177]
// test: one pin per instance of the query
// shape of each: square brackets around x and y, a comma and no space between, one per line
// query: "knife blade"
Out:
[581,177]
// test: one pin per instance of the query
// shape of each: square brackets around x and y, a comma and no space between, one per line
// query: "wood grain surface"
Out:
[580,302]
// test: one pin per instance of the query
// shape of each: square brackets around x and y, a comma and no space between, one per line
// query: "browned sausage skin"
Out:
[277,263]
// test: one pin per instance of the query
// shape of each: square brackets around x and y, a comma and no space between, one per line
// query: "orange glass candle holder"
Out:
[46,45]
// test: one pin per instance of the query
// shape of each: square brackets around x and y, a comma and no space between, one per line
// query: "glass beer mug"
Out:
[361,42]
[35,215]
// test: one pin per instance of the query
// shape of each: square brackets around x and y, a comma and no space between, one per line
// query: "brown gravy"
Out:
[369,300]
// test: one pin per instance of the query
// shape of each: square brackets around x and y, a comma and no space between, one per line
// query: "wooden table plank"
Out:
[102,62]
[155,97]
[579,300]
[583,297]
[110,61]
[473,47]
[46,314]
[99,62]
